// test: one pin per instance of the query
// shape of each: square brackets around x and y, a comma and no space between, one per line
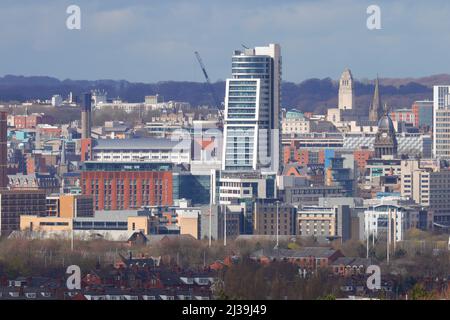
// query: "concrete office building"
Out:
[307,195]
[427,183]
[441,122]
[236,187]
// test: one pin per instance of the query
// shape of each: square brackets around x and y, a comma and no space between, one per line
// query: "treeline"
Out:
[250,280]
[50,257]
[310,95]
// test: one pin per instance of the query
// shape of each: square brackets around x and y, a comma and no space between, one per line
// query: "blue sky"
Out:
[152,41]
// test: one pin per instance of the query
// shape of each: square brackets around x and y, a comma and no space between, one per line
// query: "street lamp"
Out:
[210,220]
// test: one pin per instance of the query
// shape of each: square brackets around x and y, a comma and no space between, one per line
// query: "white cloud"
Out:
[318,38]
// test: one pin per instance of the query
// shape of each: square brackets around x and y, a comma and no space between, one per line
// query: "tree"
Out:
[418,292]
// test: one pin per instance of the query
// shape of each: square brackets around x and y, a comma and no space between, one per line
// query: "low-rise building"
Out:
[116,225]
[294,122]
[188,218]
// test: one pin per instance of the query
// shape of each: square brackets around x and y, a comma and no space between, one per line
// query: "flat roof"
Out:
[112,215]
[135,144]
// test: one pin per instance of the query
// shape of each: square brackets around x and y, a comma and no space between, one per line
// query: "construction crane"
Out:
[213,93]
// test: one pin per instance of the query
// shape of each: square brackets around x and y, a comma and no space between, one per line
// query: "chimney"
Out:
[86,116]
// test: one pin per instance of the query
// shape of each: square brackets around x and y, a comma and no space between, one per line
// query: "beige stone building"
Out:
[316,221]
[294,122]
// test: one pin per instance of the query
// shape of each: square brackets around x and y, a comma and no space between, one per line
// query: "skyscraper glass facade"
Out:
[252,104]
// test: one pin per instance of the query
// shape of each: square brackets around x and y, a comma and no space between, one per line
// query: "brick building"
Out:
[303,156]
[265,218]
[30,121]
[122,186]
[36,163]
[403,115]
[86,149]
[361,156]
[309,258]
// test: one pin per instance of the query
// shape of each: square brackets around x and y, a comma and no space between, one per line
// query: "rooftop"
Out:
[135,144]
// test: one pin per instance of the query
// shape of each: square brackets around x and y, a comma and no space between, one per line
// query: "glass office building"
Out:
[252,111]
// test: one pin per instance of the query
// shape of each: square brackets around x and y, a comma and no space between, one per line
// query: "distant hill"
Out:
[310,95]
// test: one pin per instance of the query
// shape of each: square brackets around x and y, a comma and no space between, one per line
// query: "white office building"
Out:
[57,100]
[376,222]
[142,150]
[252,111]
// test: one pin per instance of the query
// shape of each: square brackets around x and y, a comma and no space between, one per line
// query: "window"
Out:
[31,295]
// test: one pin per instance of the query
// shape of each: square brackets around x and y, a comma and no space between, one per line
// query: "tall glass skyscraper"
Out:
[252,111]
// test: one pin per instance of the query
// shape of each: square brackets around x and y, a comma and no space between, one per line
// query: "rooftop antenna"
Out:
[244,46]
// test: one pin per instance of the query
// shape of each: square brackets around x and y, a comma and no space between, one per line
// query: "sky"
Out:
[154,40]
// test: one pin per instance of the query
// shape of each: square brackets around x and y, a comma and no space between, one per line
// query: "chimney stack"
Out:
[86,116]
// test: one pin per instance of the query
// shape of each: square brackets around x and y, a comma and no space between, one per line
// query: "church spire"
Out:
[386,109]
[375,110]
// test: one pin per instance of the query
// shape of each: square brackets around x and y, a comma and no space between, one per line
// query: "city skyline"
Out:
[149,189]
[318,39]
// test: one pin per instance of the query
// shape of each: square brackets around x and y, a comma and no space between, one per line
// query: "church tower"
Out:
[346,93]
[375,110]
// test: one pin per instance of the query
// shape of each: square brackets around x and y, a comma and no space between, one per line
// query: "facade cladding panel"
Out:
[123,190]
